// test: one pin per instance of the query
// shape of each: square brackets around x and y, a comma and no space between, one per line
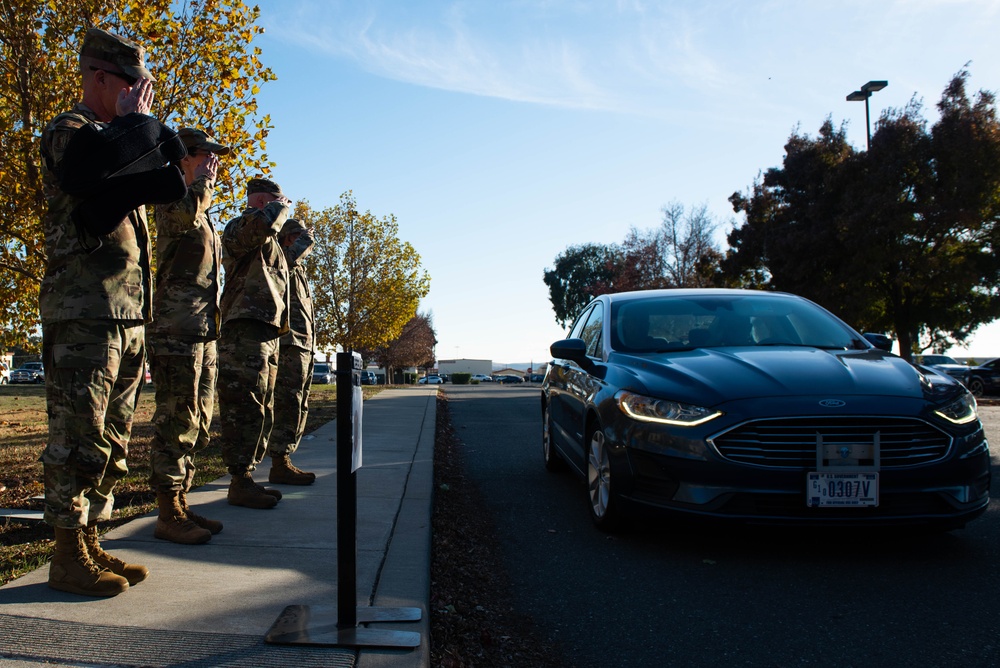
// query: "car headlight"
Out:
[648,409]
[961,411]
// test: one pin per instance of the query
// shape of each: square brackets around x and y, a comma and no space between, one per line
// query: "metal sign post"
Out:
[324,625]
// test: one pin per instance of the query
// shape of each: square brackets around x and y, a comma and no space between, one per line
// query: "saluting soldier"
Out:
[182,340]
[94,300]
[254,316]
[295,362]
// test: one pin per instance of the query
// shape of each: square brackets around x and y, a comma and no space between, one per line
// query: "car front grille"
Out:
[791,443]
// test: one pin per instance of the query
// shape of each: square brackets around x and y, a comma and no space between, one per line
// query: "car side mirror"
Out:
[574,350]
[880,341]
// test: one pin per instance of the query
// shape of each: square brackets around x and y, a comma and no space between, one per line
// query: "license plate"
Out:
[842,489]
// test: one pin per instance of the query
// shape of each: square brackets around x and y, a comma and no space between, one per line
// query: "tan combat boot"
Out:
[276,493]
[74,571]
[134,573]
[213,526]
[173,524]
[243,491]
[284,472]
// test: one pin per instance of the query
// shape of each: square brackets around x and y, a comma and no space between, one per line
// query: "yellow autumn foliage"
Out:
[207,74]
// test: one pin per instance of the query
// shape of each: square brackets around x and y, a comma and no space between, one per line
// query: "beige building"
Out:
[449,367]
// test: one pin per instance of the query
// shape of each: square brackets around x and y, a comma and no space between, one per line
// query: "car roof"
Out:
[693,292]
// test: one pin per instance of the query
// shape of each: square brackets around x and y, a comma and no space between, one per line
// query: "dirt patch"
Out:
[473,620]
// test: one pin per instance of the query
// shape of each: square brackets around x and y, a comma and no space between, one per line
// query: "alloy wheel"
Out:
[598,475]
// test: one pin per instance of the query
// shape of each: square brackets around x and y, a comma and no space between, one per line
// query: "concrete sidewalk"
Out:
[213,604]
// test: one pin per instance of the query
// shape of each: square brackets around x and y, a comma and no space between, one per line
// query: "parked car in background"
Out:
[756,407]
[535,378]
[482,378]
[947,365]
[431,380]
[29,372]
[509,379]
[323,374]
[369,378]
[985,378]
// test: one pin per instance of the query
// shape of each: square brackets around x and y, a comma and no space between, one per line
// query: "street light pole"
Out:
[863,94]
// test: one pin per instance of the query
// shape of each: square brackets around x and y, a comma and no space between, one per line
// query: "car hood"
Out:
[711,376]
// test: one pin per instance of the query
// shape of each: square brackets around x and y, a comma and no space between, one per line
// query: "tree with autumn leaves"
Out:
[207,75]
[367,283]
[414,347]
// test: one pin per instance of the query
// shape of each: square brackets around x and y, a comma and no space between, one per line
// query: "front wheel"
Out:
[976,387]
[605,503]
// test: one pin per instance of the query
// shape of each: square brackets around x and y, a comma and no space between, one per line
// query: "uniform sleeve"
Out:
[301,248]
[183,215]
[56,138]
[253,228]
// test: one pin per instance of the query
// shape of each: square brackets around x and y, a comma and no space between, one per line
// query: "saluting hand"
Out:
[208,168]
[136,99]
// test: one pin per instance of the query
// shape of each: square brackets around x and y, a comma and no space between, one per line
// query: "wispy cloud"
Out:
[641,57]
[578,55]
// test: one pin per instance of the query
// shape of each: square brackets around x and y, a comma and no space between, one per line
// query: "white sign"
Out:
[357,400]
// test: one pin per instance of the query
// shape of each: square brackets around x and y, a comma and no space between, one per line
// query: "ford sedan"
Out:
[757,407]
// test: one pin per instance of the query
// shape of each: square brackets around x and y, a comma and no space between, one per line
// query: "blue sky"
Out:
[499,133]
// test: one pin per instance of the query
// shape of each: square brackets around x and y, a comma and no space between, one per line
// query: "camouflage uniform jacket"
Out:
[111,282]
[300,303]
[256,272]
[188,260]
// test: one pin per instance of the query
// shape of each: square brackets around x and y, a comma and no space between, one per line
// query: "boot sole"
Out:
[201,540]
[72,589]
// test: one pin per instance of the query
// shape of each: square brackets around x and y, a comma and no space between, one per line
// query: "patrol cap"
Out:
[117,51]
[199,140]
[262,185]
[291,226]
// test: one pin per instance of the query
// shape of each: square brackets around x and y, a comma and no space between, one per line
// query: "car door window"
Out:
[593,331]
[577,331]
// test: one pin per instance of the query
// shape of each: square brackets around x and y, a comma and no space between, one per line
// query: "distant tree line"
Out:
[678,253]
[901,238]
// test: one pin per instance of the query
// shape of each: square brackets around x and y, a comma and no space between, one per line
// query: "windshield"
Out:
[321,368]
[668,322]
[937,359]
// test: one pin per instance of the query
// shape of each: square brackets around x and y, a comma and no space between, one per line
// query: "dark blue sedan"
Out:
[756,407]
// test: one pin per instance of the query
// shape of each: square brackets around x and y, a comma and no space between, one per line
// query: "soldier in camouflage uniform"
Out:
[182,340]
[93,304]
[254,316]
[295,362]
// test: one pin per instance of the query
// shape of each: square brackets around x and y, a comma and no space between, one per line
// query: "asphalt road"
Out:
[661,596]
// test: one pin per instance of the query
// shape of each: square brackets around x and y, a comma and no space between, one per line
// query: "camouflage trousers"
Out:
[248,369]
[93,375]
[291,399]
[184,375]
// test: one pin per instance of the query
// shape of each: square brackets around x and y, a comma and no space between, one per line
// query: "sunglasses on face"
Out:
[130,80]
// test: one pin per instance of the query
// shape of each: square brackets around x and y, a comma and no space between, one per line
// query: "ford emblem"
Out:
[832,403]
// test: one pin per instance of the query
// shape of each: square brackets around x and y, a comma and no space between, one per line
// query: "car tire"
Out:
[604,502]
[976,387]
[553,461]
